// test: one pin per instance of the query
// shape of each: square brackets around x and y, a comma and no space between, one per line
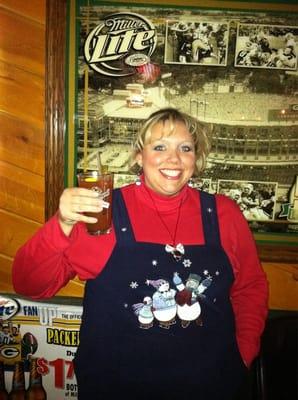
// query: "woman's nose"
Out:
[173,155]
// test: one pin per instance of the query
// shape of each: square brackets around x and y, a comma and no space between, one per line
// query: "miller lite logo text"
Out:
[8,308]
[119,43]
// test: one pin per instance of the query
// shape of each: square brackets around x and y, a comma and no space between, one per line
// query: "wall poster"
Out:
[236,70]
[38,341]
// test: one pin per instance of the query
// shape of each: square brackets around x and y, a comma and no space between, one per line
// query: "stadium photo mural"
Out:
[235,71]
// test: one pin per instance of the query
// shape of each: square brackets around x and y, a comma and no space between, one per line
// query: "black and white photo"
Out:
[266,46]
[256,200]
[196,42]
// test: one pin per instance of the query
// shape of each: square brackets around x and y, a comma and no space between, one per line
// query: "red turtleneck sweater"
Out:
[50,258]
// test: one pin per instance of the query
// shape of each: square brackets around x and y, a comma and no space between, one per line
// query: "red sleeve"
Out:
[249,293]
[50,259]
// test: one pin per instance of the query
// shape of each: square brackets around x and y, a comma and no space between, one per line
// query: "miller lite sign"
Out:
[119,44]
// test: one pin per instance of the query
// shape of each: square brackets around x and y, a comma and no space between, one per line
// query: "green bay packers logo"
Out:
[119,43]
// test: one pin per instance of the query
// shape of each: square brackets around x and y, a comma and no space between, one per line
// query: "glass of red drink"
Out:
[103,184]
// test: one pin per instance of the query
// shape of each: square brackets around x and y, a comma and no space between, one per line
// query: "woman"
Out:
[171,248]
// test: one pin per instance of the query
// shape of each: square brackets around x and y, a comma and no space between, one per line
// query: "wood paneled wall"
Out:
[22,130]
[22,70]
[22,146]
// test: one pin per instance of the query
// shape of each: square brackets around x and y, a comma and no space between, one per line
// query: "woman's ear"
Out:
[139,160]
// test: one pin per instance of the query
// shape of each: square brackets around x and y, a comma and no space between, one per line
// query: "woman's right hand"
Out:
[72,205]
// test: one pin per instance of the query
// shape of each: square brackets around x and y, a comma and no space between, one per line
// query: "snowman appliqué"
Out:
[167,303]
[144,313]
[162,306]
[187,298]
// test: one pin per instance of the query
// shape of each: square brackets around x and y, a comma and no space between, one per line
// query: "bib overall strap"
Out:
[121,222]
[209,219]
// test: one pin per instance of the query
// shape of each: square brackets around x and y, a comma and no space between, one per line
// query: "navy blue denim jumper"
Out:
[157,328]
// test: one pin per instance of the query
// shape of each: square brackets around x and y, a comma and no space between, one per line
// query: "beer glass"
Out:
[35,390]
[102,183]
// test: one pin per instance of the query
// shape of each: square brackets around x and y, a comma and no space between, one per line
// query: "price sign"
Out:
[38,342]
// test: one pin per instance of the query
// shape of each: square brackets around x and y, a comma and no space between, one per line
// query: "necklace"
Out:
[177,250]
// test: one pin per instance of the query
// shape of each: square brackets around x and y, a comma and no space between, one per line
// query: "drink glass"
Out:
[103,184]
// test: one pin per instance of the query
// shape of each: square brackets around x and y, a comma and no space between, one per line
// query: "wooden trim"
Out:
[55,103]
[278,253]
[261,5]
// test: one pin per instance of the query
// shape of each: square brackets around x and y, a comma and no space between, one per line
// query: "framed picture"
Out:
[256,200]
[266,46]
[197,42]
[234,69]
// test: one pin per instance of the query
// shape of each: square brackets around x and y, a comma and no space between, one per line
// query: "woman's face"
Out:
[168,159]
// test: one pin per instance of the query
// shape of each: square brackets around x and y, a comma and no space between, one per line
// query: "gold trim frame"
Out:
[55,106]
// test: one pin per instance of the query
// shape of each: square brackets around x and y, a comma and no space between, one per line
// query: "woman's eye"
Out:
[186,148]
[159,147]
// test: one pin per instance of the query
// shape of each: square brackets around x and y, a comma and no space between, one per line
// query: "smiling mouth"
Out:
[170,173]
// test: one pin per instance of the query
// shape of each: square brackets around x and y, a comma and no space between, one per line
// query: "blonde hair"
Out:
[197,129]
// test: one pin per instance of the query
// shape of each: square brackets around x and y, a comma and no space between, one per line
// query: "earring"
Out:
[190,183]
[138,180]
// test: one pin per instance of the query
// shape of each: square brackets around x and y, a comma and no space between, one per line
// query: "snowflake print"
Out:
[187,263]
[217,273]
[125,305]
[134,285]
[154,263]
[124,229]
[206,272]
[209,210]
